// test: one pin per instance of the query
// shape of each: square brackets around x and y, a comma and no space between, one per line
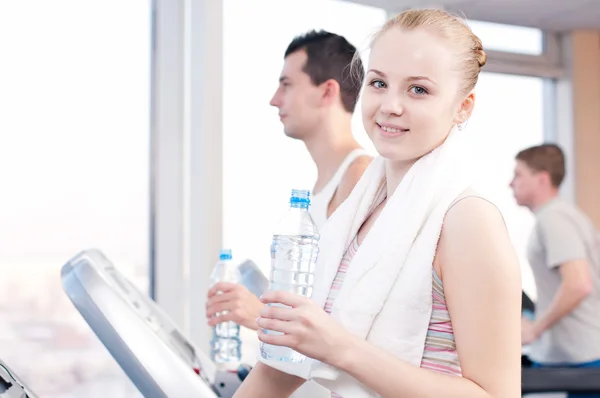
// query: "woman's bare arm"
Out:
[482,287]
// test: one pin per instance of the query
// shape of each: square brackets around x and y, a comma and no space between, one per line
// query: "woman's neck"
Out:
[394,173]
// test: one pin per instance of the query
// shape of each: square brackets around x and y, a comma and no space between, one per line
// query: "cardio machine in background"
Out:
[555,379]
[160,361]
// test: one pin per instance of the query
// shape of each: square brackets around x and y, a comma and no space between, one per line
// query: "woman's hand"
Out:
[307,328]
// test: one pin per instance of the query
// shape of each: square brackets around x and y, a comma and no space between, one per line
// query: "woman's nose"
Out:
[392,104]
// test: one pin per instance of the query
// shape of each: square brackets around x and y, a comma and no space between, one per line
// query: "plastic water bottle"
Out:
[293,256]
[226,346]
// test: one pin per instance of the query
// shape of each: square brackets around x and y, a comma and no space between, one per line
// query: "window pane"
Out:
[502,128]
[74,154]
[509,38]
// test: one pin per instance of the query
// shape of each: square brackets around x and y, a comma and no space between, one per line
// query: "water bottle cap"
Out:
[300,197]
[225,254]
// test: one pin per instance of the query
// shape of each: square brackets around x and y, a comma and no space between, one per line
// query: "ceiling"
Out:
[555,15]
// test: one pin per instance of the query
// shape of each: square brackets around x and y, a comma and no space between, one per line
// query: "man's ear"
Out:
[544,176]
[330,91]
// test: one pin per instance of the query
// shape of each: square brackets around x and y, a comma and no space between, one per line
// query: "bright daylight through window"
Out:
[75,147]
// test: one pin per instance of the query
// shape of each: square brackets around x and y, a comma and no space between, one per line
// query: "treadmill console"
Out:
[145,342]
[11,386]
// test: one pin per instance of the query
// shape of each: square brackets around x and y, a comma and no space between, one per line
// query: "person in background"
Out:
[316,98]
[564,255]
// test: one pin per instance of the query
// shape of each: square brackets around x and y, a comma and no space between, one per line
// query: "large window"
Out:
[74,159]
[509,38]
[508,117]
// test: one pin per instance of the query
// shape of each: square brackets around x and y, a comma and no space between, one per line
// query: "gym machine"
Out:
[163,363]
[555,379]
[569,380]
[11,386]
[157,357]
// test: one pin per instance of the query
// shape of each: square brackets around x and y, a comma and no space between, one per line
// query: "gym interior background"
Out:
[142,128]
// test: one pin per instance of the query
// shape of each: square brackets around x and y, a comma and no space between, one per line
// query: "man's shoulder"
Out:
[361,161]
[355,171]
[558,212]
[351,176]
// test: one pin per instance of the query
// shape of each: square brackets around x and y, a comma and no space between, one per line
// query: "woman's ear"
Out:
[466,109]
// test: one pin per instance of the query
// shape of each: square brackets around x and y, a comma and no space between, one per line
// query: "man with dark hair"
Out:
[317,94]
[329,56]
[564,255]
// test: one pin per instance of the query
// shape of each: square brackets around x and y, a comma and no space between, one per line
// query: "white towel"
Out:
[386,294]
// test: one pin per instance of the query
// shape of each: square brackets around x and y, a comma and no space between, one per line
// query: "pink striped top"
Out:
[440,353]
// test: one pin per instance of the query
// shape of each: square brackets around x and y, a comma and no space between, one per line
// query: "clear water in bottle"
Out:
[226,346]
[293,256]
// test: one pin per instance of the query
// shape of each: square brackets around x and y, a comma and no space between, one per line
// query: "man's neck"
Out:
[544,199]
[328,149]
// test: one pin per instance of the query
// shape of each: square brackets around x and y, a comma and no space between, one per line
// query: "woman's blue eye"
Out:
[378,84]
[419,90]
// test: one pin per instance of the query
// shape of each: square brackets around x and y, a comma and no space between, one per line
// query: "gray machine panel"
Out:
[145,342]
[252,278]
[11,386]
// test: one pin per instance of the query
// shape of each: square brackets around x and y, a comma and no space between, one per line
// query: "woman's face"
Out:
[412,95]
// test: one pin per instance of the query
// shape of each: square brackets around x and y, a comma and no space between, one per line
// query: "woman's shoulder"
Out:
[472,210]
[473,234]
[471,193]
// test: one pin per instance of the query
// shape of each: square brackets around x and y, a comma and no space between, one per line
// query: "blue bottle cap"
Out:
[300,198]
[225,254]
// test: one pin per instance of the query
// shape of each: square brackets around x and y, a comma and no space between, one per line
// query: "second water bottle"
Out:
[226,344]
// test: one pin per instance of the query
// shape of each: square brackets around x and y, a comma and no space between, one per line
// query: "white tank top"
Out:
[320,202]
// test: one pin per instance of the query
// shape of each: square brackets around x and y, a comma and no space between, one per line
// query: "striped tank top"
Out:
[440,353]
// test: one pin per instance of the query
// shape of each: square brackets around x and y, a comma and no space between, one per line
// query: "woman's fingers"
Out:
[276,325]
[276,311]
[284,340]
[285,298]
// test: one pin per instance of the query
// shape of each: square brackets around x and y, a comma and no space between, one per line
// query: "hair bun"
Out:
[481,57]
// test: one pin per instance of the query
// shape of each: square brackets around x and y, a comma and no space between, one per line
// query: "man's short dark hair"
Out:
[329,56]
[546,157]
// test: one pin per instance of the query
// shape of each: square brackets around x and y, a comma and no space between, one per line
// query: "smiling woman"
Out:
[373,300]
[387,115]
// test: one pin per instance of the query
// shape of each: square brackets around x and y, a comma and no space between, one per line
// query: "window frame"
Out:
[186,159]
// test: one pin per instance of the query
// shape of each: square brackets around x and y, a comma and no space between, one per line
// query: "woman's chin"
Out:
[389,152]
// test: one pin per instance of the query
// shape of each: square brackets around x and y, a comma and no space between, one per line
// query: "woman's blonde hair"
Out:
[459,35]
